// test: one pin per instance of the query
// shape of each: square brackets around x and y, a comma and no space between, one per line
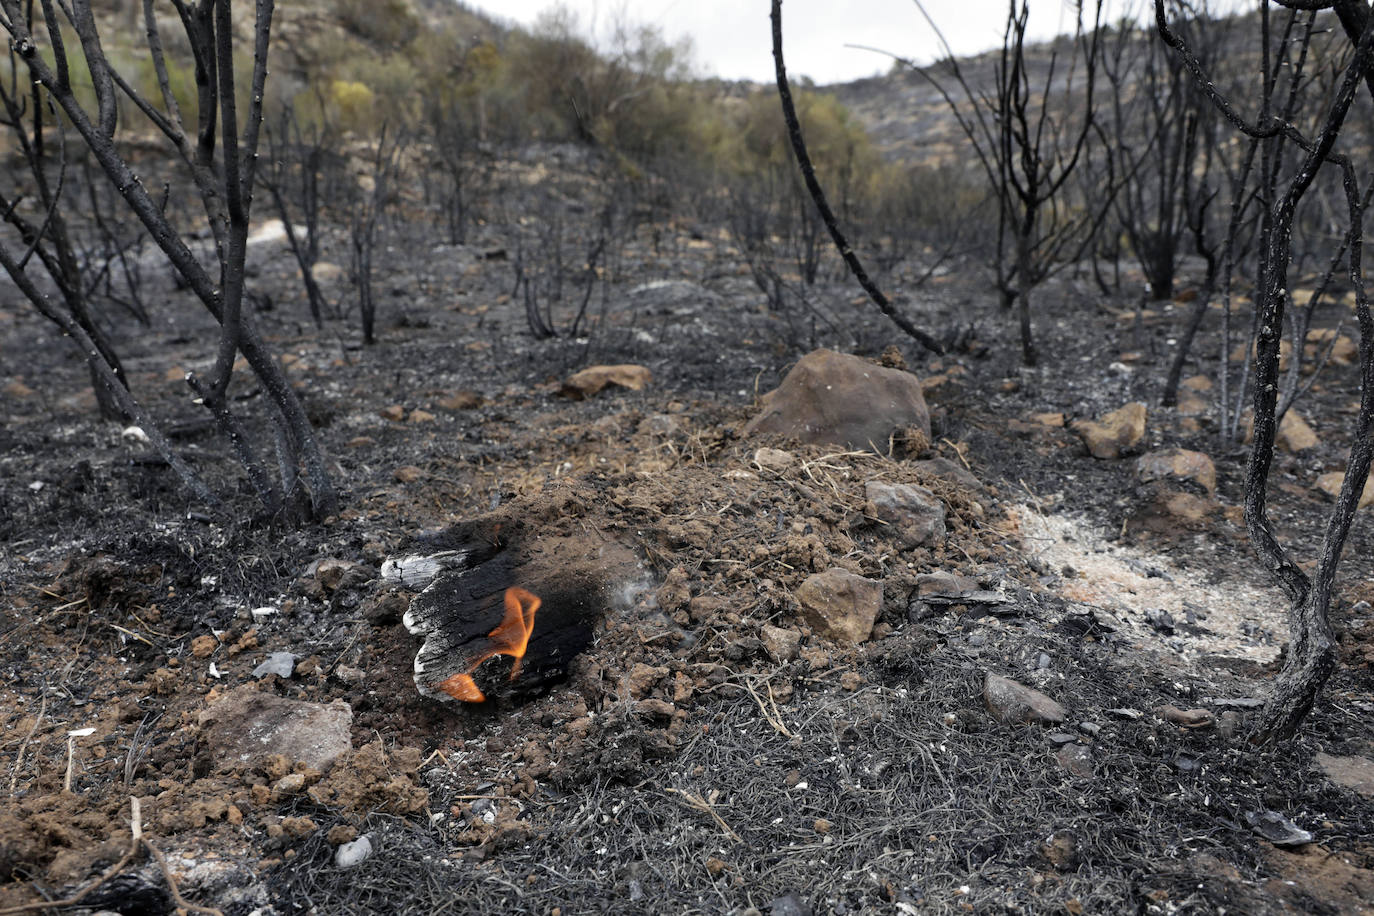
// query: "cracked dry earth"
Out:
[710,750]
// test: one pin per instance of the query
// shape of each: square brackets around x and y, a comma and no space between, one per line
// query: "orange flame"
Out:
[511,637]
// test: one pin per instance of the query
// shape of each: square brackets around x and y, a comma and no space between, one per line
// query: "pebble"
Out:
[351,854]
[279,663]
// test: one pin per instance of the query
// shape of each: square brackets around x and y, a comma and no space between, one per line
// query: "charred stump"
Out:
[506,609]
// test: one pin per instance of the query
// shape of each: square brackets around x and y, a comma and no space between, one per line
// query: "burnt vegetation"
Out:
[298,287]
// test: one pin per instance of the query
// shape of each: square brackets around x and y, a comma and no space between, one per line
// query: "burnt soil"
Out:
[681,767]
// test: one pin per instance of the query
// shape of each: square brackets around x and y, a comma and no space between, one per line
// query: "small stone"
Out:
[1015,704]
[279,663]
[593,379]
[1115,433]
[913,513]
[944,584]
[16,388]
[1188,718]
[325,271]
[1060,849]
[1276,828]
[460,400]
[714,866]
[1091,729]
[780,643]
[949,471]
[773,459]
[420,416]
[1330,484]
[290,784]
[1178,464]
[851,681]
[1061,737]
[643,678]
[1052,420]
[655,709]
[1076,760]
[350,854]
[297,827]
[204,646]
[822,825]
[840,605]
[1199,383]
[1161,620]
[407,473]
[394,412]
[244,726]
[1295,434]
[789,905]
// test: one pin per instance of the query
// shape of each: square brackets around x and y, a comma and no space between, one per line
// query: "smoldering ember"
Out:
[450,466]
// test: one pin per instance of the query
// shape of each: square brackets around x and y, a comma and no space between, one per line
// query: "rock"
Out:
[279,663]
[1344,351]
[834,398]
[1276,828]
[1060,849]
[1199,383]
[655,709]
[407,473]
[204,646]
[331,573]
[913,513]
[780,643]
[1295,435]
[591,380]
[288,785]
[1161,620]
[1053,420]
[1330,484]
[420,416]
[350,854]
[944,585]
[952,471]
[1350,772]
[773,459]
[16,388]
[1076,760]
[1179,464]
[325,271]
[1016,704]
[460,400]
[1188,718]
[789,905]
[1115,433]
[642,678]
[1187,507]
[245,726]
[394,412]
[841,605]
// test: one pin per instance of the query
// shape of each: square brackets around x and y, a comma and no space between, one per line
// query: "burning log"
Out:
[506,609]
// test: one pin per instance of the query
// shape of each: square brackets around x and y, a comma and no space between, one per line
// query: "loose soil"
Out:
[684,765]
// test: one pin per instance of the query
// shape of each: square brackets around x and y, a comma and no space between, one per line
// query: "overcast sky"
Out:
[732,38]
